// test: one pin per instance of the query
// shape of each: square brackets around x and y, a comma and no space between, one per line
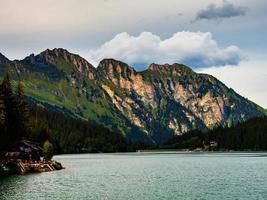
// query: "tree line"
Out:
[246,136]
[249,135]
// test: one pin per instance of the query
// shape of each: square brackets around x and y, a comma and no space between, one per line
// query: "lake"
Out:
[146,176]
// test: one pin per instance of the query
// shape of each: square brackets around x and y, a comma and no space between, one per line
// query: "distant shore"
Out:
[193,151]
[161,151]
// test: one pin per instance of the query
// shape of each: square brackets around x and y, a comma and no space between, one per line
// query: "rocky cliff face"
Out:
[172,99]
[153,104]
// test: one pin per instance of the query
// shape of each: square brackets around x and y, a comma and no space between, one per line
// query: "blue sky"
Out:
[224,38]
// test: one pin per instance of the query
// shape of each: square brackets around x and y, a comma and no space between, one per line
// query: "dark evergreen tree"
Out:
[2,109]
[22,109]
[12,119]
[3,136]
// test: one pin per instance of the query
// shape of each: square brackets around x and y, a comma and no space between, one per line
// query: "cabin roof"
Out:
[33,145]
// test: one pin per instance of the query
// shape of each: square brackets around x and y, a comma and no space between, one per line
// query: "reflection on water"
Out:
[146,176]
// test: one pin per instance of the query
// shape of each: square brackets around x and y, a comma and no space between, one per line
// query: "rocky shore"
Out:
[8,167]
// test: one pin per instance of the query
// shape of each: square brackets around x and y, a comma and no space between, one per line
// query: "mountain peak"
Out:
[115,69]
[106,61]
[108,64]
[3,59]
[62,58]
[183,68]
[157,67]
[57,52]
[174,69]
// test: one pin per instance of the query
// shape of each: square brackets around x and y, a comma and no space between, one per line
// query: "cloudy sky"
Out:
[225,38]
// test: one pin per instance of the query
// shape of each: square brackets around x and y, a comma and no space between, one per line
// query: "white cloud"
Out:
[196,49]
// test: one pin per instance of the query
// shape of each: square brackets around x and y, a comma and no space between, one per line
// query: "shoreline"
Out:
[17,167]
[159,151]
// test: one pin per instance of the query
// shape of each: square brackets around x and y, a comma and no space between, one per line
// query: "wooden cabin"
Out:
[24,150]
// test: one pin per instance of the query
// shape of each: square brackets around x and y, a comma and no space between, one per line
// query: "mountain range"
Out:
[149,106]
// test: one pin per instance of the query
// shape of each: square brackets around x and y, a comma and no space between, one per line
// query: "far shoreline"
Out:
[158,152]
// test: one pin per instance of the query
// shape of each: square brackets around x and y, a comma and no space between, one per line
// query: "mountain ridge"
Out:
[153,104]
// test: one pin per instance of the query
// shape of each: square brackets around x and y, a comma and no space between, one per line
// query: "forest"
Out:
[245,136]
[20,119]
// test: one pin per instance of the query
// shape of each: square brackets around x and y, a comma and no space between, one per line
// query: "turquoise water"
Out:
[146,176]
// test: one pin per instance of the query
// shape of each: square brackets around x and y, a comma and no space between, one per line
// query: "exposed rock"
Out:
[202,98]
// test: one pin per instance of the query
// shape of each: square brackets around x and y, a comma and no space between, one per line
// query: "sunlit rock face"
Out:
[157,103]
[172,98]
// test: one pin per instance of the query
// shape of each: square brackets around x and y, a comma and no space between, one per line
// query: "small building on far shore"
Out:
[24,150]
[213,145]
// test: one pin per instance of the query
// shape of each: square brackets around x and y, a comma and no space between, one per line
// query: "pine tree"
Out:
[22,109]
[6,87]
[12,119]
[3,137]
[48,150]
[2,109]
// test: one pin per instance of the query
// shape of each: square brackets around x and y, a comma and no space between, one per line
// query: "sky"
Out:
[225,38]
